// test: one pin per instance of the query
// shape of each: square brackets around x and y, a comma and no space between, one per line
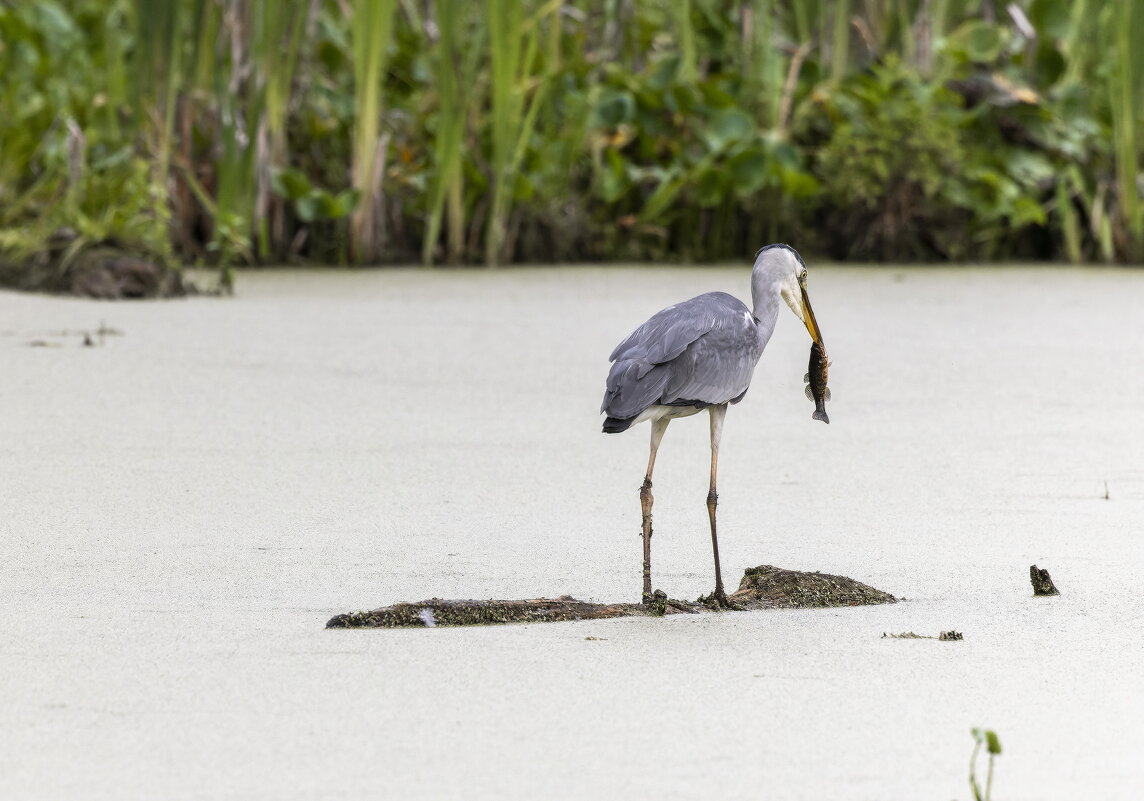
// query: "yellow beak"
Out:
[808,319]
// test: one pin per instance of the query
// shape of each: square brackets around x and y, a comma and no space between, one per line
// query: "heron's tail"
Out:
[614,425]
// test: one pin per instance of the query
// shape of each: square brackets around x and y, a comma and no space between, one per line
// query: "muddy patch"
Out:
[103,271]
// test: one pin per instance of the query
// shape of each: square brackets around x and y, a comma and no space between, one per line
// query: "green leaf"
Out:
[798,184]
[326,204]
[787,154]
[988,738]
[1027,211]
[665,73]
[711,187]
[749,172]
[1029,168]
[979,41]
[613,178]
[307,208]
[727,126]
[345,202]
[55,23]
[615,106]
[1050,64]
[1050,17]
[290,183]
[663,196]
[992,742]
[523,187]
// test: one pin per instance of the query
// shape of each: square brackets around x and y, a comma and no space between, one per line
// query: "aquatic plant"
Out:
[244,131]
[992,743]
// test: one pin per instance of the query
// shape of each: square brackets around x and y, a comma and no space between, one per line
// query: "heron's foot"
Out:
[655,603]
[718,601]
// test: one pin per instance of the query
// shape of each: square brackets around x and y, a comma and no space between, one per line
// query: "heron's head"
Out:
[780,267]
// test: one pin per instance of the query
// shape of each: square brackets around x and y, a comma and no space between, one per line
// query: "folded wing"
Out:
[699,352]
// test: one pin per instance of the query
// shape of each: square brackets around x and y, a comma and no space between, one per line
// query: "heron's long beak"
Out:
[808,318]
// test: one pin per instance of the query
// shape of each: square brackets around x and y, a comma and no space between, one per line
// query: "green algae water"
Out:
[183,507]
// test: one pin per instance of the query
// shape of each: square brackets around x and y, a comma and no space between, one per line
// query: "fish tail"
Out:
[820,414]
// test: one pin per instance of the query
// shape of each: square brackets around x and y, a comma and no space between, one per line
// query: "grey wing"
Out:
[667,332]
[717,367]
[691,346]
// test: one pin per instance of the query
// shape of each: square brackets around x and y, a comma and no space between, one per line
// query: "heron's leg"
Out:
[718,413]
[658,426]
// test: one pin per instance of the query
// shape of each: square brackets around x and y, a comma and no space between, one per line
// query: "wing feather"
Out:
[702,350]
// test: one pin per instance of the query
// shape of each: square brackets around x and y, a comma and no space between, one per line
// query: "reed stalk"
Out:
[448,181]
[763,64]
[276,43]
[840,51]
[159,29]
[371,34]
[1126,93]
[505,23]
[688,54]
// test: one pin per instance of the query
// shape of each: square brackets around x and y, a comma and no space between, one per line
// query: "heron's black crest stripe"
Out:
[783,247]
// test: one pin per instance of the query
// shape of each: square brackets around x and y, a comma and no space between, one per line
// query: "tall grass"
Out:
[505,22]
[454,64]
[276,35]
[371,34]
[1126,90]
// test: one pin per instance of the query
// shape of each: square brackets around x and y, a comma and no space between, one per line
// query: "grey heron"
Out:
[700,354]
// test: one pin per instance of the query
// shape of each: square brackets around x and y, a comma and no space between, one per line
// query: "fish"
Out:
[815,377]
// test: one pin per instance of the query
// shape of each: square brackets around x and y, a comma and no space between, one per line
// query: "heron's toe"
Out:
[718,601]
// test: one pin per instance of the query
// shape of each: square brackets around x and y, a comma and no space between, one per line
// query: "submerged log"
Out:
[763,587]
[441,612]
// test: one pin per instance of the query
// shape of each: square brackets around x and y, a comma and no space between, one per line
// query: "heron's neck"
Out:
[766,297]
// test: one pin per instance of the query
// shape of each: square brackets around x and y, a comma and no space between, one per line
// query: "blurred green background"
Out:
[224,132]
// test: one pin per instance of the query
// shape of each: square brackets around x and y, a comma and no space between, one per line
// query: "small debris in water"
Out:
[909,635]
[1042,583]
[595,638]
[52,338]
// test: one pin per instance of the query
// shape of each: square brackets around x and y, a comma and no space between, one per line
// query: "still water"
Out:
[183,507]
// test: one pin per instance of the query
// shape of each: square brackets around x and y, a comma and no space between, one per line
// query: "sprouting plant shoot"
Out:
[992,743]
